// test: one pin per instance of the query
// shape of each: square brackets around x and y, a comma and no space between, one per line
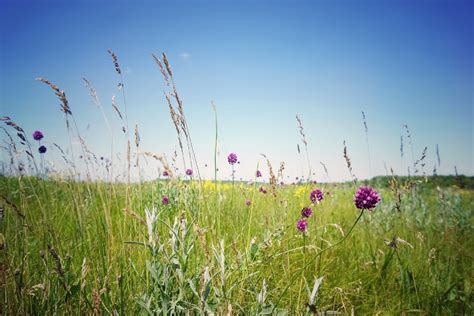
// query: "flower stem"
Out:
[293,279]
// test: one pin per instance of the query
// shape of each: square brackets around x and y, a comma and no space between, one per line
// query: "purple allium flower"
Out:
[38,135]
[262,189]
[248,202]
[302,225]
[366,198]
[306,211]
[316,196]
[42,149]
[165,200]
[189,172]
[232,158]
[259,174]
[165,173]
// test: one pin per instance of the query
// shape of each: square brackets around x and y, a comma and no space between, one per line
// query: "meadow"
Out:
[185,245]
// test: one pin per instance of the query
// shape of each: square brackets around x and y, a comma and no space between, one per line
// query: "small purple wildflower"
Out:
[262,189]
[248,202]
[42,149]
[165,200]
[302,225]
[366,198]
[306,211]
[232,158]
[189,172]
[165,173]
[259,174]
[38,135]
[316,196]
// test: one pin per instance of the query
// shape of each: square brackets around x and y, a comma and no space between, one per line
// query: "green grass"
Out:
[211,253]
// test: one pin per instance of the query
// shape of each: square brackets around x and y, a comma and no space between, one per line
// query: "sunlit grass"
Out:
[103,249]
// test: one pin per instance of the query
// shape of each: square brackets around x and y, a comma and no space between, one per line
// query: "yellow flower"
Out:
[299,192]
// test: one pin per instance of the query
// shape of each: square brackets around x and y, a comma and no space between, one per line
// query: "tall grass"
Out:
[106,247]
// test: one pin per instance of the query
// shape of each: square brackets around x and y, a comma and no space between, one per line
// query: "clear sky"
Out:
[262,62]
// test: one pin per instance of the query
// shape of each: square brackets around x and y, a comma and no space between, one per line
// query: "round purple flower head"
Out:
[262,189]
[232,158]
[306,211]
[316,196]
[366,198]
[189,172]
[248,202]
[259,174]
[302,225]
[165,173]
[165,200]
[42,149]
[37,135]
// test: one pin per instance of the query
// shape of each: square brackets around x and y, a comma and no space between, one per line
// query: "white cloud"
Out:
[185,56]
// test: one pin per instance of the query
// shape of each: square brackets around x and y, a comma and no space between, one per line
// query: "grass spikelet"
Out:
[162,69]
[348,163]
[303,139]
[59,93]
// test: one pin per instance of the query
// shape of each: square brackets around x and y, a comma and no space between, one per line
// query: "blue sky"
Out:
[262,62]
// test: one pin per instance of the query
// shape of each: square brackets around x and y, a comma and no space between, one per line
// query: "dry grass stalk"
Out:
[438,156]
[401,146]
[178,120]
[410,143]
[115,61]
[97,301]
[168,67]
[161,159]
[273,179]
[280,170]
[60,94]
[325,168]
[125,130]
[396,190]
[303,139]
[175,118]
[137,136]
[364,120]
[162,69]
[20,132]
[134,215]
[13,206]
[92,92]
[348,163]
[420,162]
[23,140]
[59,268]
[202,241]
[117,110]
[12,149]
[63,155]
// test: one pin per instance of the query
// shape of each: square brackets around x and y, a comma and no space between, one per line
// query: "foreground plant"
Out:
[363,194]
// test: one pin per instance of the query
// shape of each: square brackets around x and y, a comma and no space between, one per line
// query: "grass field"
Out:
[78,241]
[73,248]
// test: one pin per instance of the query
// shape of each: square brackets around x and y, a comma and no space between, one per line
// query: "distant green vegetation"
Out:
[461,181]
[74,248]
